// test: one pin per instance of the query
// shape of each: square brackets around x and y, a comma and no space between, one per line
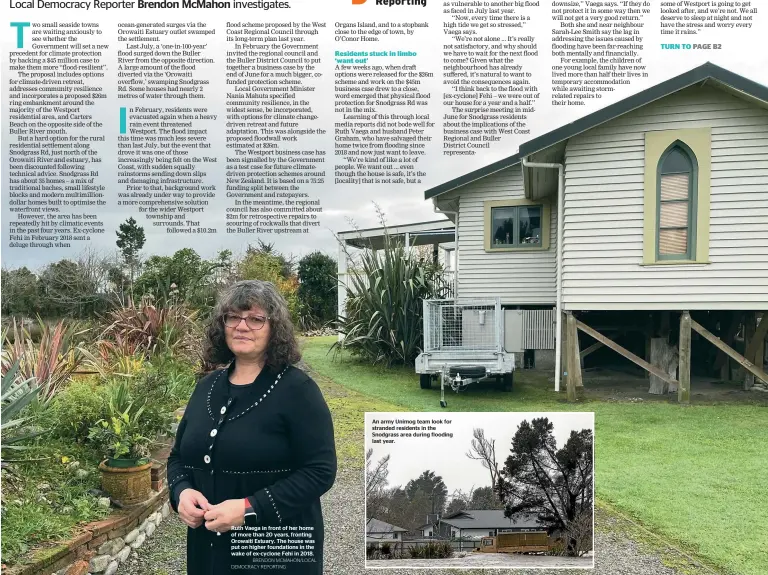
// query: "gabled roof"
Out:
[376,526]
[716,75]
[706,73]
[420,233]
[491,519]
[472,176]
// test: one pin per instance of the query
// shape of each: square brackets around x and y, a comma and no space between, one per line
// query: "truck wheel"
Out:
[507,382]
[425,381]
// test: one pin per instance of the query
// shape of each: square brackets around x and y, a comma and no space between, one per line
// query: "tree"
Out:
[130,240]
[74,288]
[318,288]
[225,269]
[430,485]
[459,502]
[287,263]
[193,277]
[267,265]
[118,280]
[409,512]
[480,498]
[484,450]
[376,474]
[19,292]
[485,498]
[556,484]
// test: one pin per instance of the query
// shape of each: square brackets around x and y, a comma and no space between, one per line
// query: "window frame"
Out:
[699,141]
[488,229]
[690,254]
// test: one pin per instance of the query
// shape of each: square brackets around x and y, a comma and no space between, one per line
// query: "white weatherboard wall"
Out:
[519,278]
[603,224]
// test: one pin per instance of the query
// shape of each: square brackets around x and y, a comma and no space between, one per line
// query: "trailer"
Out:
[526,542]
[464,343]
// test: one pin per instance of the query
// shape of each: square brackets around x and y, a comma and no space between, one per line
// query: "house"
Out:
[643,220]
[378,532]
[475,523]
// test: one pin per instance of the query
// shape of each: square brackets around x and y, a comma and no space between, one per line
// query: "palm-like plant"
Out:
[16,395]
[384,309]
[146,329]
[114,357]
[50,362]
[120,435]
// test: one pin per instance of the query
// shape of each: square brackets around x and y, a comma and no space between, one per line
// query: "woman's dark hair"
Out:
[282,349]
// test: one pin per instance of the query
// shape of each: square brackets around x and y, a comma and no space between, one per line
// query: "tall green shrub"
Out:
[384,307]
[267,266]
[432,550]
[318,293]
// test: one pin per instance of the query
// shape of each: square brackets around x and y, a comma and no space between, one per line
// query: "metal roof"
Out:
[698,75]
[421,233]
[491,519]
[376,526]
[412,226]
[472,176]
[708,72]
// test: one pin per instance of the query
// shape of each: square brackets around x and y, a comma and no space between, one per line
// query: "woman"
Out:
[254,450]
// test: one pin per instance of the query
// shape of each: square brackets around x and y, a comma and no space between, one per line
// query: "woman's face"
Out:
[244,340]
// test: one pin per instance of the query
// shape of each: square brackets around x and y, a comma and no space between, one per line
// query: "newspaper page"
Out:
[319,287]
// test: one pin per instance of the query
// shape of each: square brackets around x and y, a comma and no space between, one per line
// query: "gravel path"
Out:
[615,554]
[486,561]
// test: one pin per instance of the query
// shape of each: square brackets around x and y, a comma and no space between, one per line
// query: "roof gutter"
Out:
[559,265]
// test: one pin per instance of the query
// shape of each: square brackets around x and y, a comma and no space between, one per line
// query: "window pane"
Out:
[674,215]
[673,242]
[674,187]
[502,226]
[676,161]
[530,225]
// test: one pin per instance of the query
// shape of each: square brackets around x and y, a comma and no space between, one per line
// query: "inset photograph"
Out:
[479,490]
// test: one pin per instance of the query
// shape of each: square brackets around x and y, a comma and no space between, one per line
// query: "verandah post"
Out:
[564,371]
[750,323]
[684,377]
[574,366]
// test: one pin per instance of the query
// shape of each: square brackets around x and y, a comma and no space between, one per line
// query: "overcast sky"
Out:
[409,457]
[742,51]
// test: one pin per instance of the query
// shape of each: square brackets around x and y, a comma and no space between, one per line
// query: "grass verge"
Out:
[694,475]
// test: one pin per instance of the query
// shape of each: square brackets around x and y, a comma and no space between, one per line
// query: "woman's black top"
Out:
[270,441]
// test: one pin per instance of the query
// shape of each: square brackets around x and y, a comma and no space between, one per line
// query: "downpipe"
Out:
[456,242]
[558,265]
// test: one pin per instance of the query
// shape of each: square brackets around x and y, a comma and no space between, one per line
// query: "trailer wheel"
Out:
[443,403]
[425,381]
[507,382]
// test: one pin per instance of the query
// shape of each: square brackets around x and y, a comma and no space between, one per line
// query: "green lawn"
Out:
[695,475]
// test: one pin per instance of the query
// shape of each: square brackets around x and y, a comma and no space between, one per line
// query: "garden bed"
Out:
[103,544]
[100,546]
